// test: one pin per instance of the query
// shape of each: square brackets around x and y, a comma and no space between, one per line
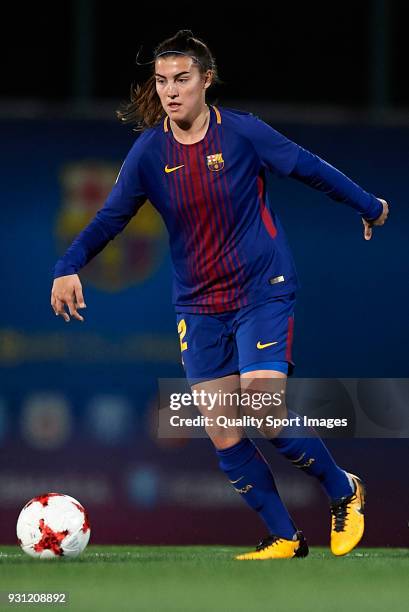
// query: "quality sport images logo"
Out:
[131,257]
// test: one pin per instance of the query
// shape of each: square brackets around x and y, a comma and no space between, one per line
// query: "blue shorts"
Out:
[251,338]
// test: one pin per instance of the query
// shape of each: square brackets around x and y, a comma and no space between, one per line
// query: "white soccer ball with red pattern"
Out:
[53,525]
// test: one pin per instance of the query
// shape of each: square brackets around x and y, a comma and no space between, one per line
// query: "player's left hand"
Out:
[368,225]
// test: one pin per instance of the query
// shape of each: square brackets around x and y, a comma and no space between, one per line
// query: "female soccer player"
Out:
[204,169]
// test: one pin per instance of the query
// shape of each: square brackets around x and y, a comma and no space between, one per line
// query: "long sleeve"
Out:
[124,201]
[315,172]
[276,152]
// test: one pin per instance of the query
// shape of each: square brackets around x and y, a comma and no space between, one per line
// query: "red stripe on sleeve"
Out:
[265,213]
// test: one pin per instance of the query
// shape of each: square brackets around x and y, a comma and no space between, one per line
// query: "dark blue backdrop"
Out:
[351,316]
[351,321]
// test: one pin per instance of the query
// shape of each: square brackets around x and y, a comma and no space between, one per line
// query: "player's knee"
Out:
[269,431]
[271,424]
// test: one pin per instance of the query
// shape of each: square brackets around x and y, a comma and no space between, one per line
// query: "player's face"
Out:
[181,87]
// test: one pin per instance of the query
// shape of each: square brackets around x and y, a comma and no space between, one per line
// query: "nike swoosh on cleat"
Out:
[262,346]
[238,480]
[167,169]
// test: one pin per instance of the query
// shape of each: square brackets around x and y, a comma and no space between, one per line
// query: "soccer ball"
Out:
[53,525]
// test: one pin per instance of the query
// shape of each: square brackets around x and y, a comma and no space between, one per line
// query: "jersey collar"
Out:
[217,115]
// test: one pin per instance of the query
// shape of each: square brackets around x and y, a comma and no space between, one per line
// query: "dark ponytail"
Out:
[145,108]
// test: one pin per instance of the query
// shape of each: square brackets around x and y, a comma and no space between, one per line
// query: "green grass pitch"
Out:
[158,579]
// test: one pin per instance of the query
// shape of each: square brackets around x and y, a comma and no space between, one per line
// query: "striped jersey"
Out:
[227,246]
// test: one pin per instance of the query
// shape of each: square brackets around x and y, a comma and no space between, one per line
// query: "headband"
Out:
[177,53]
[171,52]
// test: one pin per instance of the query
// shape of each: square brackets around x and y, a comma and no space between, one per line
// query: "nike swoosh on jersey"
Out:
[262,346]
[167,169]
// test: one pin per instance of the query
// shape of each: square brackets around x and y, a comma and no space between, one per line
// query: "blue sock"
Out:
[250,475]
[311,456]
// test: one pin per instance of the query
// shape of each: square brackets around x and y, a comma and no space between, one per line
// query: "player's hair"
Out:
[145,108]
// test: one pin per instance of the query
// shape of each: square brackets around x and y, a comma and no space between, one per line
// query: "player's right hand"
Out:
[67,292]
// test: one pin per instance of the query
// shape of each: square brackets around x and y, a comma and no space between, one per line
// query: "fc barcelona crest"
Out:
[215,162]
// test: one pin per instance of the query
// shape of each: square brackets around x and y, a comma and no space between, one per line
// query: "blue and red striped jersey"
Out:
[228,248]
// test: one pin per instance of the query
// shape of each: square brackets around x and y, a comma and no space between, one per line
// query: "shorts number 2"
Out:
[182,334]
